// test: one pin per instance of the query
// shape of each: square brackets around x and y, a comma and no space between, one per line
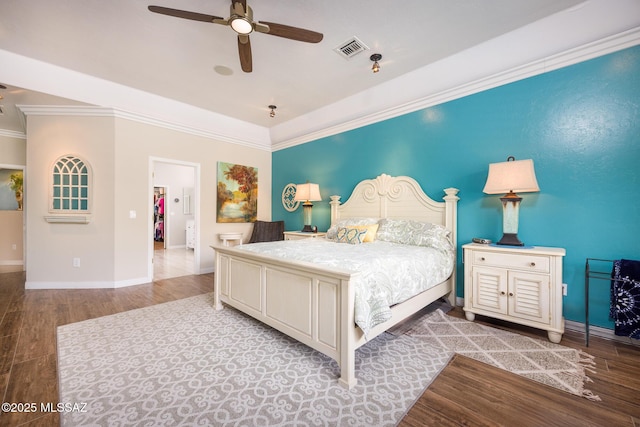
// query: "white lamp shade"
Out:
[517,176]
[307,192]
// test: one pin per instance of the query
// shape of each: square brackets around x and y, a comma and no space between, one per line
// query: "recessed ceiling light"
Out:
[222,70]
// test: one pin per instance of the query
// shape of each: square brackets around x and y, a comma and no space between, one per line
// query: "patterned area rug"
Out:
[551,364]
[184,363]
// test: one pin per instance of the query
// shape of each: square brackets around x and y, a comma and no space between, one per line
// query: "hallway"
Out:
[168,263]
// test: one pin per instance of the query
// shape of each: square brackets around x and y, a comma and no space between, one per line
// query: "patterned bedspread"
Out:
[390,272]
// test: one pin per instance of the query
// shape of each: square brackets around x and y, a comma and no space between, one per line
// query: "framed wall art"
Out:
[237,198]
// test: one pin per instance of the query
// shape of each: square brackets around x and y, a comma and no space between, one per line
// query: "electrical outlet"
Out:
[76,262]
[14,247]
[564,289]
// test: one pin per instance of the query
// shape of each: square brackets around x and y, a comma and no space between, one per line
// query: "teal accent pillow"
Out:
[353,236]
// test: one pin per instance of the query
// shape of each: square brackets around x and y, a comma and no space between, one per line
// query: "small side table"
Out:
[298,235]
[229,237]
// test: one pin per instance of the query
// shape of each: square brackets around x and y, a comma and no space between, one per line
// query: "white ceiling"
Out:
[93,51]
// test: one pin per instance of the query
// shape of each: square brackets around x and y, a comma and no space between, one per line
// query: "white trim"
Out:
[570,57]
[13,134]
[88,285]
[93,111]
[600,332]
[68,219]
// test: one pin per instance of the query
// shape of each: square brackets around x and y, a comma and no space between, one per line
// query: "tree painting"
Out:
[11,183]
[237,198]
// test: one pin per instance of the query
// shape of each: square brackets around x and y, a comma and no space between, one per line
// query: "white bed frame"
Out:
[315,304]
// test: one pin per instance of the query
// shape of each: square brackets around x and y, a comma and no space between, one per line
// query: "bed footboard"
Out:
[311,304]
[306,302]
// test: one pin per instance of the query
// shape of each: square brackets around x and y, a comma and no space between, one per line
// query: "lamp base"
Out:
[309,229]
[510,239]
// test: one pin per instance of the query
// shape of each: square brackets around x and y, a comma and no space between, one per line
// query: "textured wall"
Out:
[580,125]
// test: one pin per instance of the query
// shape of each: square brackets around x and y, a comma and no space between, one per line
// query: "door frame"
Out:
[23,168]
[196,210]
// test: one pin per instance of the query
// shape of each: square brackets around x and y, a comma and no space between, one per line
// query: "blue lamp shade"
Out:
[510,177]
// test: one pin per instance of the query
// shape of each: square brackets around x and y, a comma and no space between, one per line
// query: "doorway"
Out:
[12,219]
[174,191]
[158,217]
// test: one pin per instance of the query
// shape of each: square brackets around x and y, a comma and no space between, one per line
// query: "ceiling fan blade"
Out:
[244,50]
[194,16]
[293,33]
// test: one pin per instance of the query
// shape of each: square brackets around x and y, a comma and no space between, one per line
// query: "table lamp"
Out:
[510,177]
[307,193]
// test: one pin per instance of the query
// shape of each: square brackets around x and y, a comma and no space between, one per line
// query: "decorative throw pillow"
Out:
[371,232]
[348,222]
[350,235]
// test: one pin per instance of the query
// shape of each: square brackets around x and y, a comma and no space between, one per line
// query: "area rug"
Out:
[184,363]
[552,364]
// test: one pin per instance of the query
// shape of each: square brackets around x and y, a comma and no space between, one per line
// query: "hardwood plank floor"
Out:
[28,322]
[466,393]
[471,393]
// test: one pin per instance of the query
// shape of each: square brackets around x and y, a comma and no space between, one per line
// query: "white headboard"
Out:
[399,197]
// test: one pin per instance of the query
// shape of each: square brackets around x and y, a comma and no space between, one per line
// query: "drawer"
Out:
[524,262]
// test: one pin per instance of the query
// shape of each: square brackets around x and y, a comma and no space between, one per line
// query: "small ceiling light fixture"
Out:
[273,111]
[375,58]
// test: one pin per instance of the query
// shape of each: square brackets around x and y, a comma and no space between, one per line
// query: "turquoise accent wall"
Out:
[580,125]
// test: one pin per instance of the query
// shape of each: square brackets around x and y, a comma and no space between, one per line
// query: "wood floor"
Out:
[466,393]
[471,393]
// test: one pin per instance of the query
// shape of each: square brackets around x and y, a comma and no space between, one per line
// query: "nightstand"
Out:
[298,235]
[517,284]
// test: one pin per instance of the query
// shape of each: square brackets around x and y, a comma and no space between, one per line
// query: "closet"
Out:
[158,214]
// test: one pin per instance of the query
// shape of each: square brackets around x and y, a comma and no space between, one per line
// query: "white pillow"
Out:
[416,233]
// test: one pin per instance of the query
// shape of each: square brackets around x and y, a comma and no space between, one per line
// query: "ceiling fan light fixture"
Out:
[241,25]
[375,58]
[272,114]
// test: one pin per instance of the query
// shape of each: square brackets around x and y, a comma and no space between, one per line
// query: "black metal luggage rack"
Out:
[593,274]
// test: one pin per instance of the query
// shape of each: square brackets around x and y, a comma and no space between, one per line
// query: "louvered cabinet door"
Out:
[489,289]
[528,297]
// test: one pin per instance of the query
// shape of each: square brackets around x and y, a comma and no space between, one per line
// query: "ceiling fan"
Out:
[241,21]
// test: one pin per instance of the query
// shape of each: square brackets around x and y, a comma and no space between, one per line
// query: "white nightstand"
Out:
[297,235]
[520,285]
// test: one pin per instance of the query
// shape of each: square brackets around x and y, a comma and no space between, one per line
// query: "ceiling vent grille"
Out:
[351,48]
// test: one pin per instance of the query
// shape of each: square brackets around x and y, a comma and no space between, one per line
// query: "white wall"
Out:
[51,248]
[115,249]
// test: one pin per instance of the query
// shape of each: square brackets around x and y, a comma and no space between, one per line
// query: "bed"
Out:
[315,303]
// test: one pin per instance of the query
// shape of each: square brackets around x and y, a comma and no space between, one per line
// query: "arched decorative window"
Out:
[70,189]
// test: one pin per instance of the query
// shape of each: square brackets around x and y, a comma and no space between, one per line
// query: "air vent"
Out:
[351,48]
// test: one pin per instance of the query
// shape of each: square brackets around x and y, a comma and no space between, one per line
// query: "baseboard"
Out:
[11,262]
[594,331]
[88,285]
[600,332]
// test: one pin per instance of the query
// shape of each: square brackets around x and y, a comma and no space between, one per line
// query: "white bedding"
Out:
[390,272]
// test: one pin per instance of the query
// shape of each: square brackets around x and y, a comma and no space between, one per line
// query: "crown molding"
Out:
[569,57]
[13,134]
[93,111]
